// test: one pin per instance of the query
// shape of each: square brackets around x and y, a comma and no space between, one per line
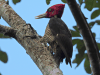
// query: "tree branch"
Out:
[7,31]
[90,43]
[39,54]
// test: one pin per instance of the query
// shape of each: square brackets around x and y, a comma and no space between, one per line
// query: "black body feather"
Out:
[59,37]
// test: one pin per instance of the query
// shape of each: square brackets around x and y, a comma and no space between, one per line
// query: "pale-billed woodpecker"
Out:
[57,34]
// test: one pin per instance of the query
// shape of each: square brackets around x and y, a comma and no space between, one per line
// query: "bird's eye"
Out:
[49,10]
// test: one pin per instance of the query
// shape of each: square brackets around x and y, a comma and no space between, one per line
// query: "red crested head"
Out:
[53,11]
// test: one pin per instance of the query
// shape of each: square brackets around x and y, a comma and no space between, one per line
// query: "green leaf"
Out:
[97,5]
[75,41]
[80,1]
[16,1]
[78,59]
[48,2]
[98,44]
[75,27]
[98,22]
[94,34]
[3,36]
[87,64]
[64,1]
[80,45]
[90,4]
[95,14]
[91,24]
[75,33]
[3,56]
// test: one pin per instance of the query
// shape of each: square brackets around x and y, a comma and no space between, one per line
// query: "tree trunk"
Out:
[29,39]
[89,40]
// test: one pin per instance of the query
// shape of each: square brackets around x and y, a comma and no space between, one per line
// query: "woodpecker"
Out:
[57,34]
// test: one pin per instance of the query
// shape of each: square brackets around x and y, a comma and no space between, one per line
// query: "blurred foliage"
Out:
[48,2]
[81,47]
[95,14]
[90,4]
[16,1]
[82,55]
[87,64]
[3,56]
[4,36]
[64,1]
[75,32]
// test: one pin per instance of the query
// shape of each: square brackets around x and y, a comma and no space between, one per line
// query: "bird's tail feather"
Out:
[60,41]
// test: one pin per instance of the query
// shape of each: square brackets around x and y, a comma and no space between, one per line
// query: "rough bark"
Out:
[7,31]
[38,53]
[89,41]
